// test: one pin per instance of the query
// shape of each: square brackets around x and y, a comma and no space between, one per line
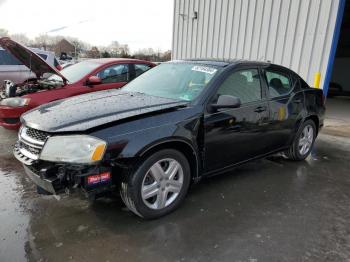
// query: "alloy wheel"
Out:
[162,183]
[306,139]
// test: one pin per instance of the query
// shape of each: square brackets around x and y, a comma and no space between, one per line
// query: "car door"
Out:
[236,134]
[114,76]
[286,102]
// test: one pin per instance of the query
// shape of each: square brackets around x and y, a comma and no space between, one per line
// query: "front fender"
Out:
[137,141]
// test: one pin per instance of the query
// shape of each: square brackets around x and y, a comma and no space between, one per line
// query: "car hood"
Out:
[84,112]
[29,58]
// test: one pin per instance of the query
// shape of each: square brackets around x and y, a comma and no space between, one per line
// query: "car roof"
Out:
[119,60]
[220,62]
[227,62]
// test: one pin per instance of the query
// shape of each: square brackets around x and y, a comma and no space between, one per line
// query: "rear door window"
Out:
[7,59]
[279,83]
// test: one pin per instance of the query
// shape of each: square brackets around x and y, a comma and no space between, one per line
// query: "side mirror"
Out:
[93,80]
[226,101]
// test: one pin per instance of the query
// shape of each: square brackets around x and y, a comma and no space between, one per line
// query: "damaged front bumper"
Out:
[93,181]
[47,183]
[56,178]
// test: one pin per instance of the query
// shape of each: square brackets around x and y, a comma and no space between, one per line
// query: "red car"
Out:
[51,84]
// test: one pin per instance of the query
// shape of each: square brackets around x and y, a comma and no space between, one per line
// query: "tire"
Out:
[298,151]
[152,190]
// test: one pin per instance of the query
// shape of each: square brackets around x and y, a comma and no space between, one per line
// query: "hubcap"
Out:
[162,183]
[305,140]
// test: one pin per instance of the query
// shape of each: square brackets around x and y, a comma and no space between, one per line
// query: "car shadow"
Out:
[220,196]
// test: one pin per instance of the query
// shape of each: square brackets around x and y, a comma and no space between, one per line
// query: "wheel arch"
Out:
[315,119]
[180,145]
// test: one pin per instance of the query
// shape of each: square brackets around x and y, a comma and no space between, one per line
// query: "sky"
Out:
[138,23]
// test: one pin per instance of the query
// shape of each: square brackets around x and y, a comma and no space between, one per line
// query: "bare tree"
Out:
[93,53]
[21,38]
[42,41]
[3,32]
[114,46]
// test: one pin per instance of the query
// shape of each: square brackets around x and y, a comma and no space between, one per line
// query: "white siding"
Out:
[295,33]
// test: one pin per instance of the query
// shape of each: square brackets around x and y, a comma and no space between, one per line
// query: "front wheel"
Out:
[158,186]
[303,142]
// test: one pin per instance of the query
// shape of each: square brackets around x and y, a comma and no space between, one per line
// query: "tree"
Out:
[114,46]
[21,38]
[166,56]
[3,32]
[93,52]
[42,41]
[80,46]
[124,51]
[105,54]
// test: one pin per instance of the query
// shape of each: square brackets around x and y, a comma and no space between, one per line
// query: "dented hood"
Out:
[87,111]
[29,58]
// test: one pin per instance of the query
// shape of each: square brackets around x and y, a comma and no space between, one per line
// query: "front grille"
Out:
[36,134]
[30,144]
[33,150]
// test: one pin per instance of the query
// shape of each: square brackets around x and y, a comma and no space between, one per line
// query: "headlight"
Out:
[15,102]
[80,149]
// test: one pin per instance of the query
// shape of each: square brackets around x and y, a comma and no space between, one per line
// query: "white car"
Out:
[12,69]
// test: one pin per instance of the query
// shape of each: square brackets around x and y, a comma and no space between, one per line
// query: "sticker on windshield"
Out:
[204,69]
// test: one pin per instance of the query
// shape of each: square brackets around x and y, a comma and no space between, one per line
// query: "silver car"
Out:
[14,70]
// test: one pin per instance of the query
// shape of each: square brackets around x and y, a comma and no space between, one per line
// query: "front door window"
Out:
[114,74]
[244,84]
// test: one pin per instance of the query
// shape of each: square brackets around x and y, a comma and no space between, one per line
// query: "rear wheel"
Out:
[303,142]
[158,186]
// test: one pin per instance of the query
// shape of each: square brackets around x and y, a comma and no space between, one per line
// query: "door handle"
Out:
[260,109]
[297,101]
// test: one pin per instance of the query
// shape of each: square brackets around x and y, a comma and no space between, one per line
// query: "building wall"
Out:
[64,46]
[295,33]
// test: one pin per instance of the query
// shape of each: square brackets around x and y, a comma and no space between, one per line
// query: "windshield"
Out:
[77,71]
[180,81]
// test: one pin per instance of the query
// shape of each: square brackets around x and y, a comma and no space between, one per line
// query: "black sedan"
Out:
[176,123]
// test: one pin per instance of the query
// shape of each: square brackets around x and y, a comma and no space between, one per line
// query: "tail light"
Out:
[59,67]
